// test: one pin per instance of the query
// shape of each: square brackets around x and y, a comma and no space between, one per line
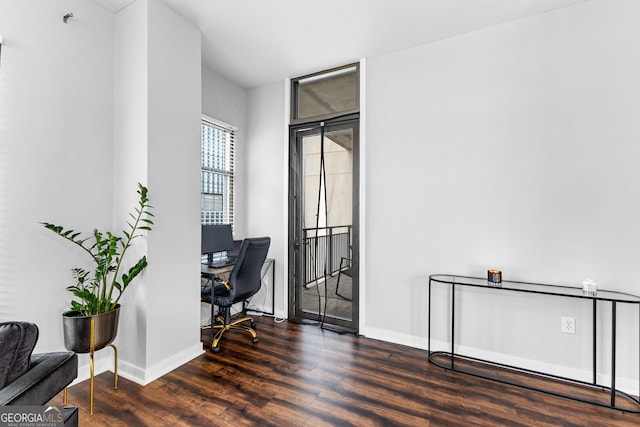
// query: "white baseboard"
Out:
[395,337]
[144,377]
[626,385]
[102,363]
[135,373]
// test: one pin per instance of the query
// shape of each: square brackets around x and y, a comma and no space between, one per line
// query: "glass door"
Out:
[323,224]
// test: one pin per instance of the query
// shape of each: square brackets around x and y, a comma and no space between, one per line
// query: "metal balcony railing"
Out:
[324,247]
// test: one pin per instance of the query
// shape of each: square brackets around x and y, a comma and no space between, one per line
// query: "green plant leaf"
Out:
[134,271]
[93,290]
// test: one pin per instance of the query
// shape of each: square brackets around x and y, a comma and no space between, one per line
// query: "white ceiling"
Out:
[255,42]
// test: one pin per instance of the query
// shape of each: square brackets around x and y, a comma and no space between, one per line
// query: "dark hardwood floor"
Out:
[300,375]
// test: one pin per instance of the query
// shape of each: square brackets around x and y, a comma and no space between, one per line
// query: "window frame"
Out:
[228,211]
[295,84]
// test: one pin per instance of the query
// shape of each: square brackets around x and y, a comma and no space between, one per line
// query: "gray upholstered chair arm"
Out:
[48,374]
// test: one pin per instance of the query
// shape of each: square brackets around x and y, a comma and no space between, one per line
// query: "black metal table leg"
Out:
[429,322]
[595,328]
[613,354]
[453,319]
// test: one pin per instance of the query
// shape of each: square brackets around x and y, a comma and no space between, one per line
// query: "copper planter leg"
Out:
[115,366]
[91,367]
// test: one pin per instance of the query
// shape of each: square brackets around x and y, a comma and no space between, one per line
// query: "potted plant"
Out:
[99,291]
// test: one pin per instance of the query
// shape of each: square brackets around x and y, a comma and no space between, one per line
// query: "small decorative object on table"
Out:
[589,288]
[494,278]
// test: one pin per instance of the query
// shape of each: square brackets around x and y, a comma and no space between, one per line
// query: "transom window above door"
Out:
[325,95]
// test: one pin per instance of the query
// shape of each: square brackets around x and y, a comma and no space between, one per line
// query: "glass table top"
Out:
[537,288]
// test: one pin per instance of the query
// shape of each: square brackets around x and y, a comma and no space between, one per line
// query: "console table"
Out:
[452,361]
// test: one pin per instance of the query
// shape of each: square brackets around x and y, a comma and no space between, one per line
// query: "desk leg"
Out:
[613,354]
[271,265]
[273,287]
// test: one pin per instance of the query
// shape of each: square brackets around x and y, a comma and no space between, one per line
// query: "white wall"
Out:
[266,177]
[174,172]
[158,91]
[131,166]
[513,147]
[223,100]
[59,129]
[56,152]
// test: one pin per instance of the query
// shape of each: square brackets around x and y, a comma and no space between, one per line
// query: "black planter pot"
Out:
[77,330]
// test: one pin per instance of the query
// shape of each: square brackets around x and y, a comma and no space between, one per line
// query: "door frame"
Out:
[294,212]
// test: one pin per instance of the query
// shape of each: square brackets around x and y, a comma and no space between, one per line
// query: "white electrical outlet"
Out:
[568,325]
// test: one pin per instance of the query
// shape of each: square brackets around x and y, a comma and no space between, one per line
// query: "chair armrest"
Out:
[48,374]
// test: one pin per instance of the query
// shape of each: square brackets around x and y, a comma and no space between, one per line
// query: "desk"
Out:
[447,359]
[269,265]
[211,272]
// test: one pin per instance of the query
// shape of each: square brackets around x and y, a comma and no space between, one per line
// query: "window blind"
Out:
[217,172]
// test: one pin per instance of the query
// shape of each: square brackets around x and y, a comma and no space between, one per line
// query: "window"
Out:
[217,172]
[325,95]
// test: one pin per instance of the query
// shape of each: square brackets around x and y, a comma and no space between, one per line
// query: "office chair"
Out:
[347,272]
[244,281]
